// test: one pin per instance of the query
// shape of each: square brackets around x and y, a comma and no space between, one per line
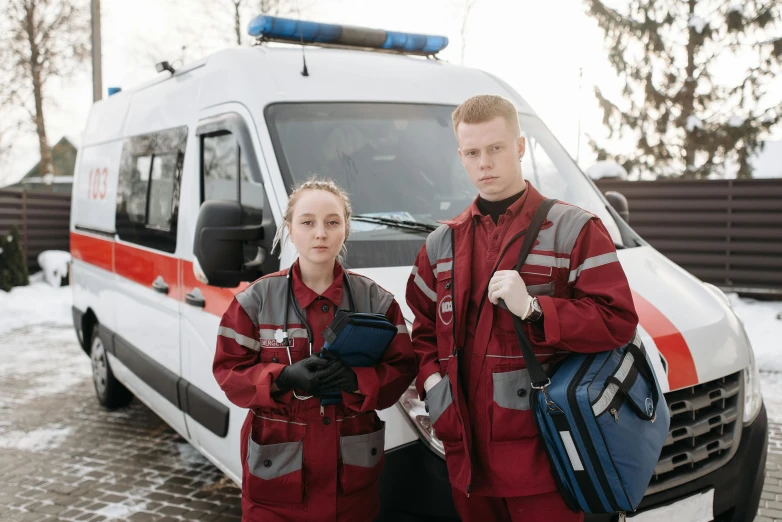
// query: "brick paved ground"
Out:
[63,457]
[771,498]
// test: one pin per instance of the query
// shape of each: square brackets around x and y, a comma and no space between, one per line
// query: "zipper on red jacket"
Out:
[456,352]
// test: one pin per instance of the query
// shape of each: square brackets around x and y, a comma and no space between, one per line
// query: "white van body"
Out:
[134,284]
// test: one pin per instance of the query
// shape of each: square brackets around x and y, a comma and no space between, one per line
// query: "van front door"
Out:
[146,347]
[228,170]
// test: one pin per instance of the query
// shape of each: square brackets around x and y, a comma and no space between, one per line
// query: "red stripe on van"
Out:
[92,250]
[143,267]
[217,299]
[670,342]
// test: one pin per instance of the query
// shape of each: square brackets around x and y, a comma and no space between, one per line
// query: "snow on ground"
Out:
[55,265]
[763,322]
[61,369]
[36,304]
[41,439]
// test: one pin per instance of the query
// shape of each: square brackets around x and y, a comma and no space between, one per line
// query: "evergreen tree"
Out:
[13,265]
[682,103]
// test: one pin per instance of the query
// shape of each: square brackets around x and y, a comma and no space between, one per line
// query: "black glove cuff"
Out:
[281,382]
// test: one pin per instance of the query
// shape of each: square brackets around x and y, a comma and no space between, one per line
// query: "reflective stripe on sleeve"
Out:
[422,285]
[443,267]
[243,340]
[541,260]
[593,262]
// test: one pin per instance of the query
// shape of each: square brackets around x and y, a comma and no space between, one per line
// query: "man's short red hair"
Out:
[486,107]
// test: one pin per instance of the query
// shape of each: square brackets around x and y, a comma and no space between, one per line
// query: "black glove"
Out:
[342,378]
[306,375]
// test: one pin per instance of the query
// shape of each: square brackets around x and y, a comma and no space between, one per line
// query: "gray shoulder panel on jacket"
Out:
[269,289]
[368,295]
[438,244]
[567,224]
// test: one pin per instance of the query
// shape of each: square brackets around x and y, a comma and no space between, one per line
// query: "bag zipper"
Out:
[581,427]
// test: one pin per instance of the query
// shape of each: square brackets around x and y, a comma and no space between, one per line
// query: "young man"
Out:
[572,295]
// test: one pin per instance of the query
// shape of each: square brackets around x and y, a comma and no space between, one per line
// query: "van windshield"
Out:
[400,161]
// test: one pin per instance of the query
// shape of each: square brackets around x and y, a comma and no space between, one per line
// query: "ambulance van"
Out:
[180,184]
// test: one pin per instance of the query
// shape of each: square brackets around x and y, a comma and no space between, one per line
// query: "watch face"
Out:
[536,305]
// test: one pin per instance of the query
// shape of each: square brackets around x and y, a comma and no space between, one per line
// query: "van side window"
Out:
[148,191]
[226,175]
[161,190]
[219,157]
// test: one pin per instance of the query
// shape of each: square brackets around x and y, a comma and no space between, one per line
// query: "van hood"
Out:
[688,327]
[689,323]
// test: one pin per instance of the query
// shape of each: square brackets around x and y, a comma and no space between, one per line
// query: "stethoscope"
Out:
[291,298]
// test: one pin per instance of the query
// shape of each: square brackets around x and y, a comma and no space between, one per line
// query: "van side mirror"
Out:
[219,243]
[619,203]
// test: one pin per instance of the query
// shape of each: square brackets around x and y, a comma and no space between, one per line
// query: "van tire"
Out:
[110,392]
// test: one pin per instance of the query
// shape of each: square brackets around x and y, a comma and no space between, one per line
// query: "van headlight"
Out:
[753,398]
[415,412]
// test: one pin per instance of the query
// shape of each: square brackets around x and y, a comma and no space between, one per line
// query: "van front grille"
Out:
[704,434]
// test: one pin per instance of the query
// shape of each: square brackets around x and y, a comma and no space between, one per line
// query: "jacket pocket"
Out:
[442,411]
[511,418]
[274,471]
[362,460]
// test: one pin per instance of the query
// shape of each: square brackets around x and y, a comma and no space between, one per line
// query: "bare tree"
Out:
[467,5]
[9,120]
[46,39]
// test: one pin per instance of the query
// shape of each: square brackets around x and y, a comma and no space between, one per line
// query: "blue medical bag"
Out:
[602,416]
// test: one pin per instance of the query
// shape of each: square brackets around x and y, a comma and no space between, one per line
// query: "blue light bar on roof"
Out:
[273,28]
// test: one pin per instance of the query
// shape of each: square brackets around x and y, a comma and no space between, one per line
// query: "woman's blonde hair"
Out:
[314,184]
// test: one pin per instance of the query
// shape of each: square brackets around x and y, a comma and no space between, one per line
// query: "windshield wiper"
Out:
[403,224]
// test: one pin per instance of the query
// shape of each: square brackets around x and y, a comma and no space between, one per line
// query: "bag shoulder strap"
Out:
[533,230]
[537,374]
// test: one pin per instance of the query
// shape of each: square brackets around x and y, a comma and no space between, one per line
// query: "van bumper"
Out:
[415,488]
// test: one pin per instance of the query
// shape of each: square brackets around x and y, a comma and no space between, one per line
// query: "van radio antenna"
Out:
[304,71]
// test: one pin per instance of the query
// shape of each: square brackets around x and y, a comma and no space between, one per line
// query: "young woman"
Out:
[302,461]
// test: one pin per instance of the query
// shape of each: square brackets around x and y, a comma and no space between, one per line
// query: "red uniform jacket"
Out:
[491,443]
[299,463]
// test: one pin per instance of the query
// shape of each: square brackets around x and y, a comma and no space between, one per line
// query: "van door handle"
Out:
[195,298]
[160,285]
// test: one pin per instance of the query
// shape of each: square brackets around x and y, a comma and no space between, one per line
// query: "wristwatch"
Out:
[536,313]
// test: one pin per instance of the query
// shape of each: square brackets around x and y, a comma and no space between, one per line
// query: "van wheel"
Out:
[111,393]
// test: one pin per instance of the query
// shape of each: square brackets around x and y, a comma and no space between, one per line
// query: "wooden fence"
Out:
[43,221]
[726,232]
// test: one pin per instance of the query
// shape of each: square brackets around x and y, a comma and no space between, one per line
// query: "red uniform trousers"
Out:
[548,507]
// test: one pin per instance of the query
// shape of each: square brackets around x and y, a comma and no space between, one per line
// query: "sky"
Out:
[538,47]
